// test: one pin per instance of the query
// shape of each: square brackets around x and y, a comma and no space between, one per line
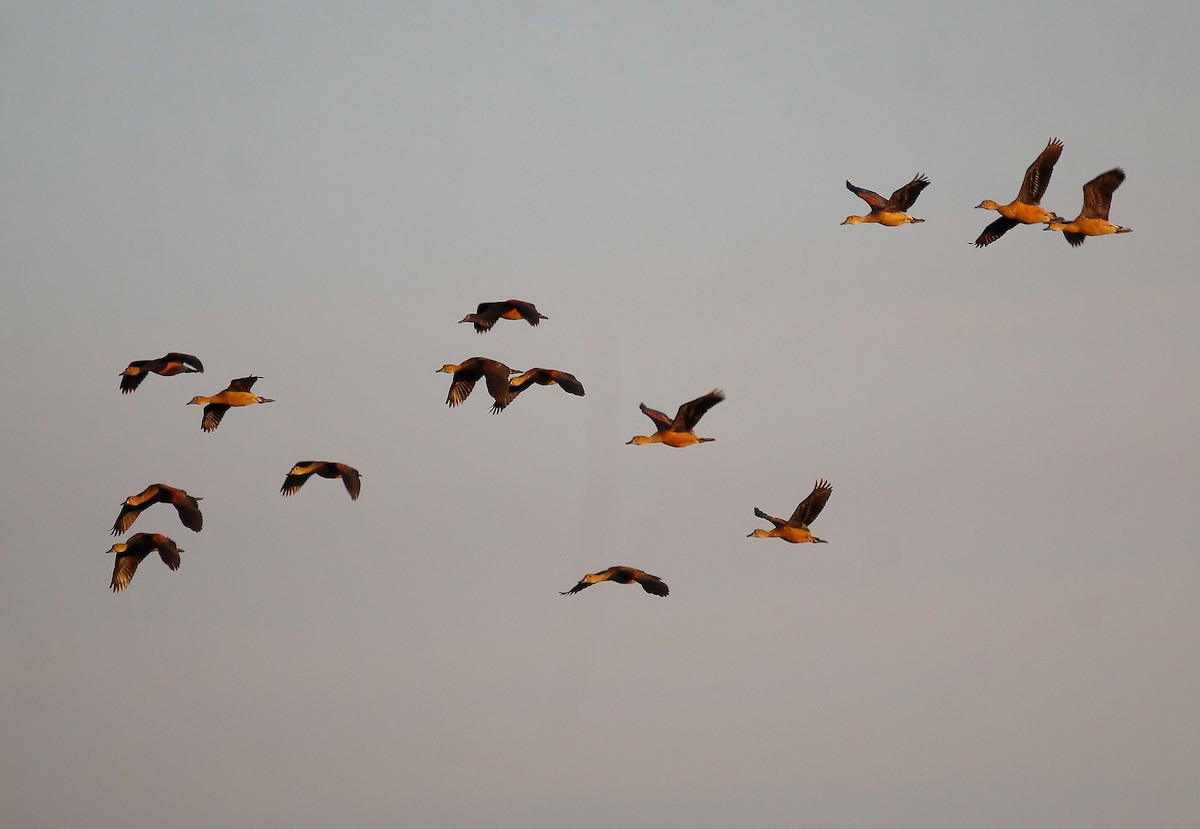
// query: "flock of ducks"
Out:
[676,432]
[1025,209]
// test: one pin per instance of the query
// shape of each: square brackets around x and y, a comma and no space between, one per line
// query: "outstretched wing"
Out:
[189,512]
[811,507]
[903,198]
[660,419]
[778,522]
[213,413]
[1097,193]
[869,196]
[243,383]
[292,483]
[125,520]
[350,478]
[653,585]
[689,413]
[527,311]
[995,230]
[123,569]
[1037,177]
[168,552]
[129,382]
[583,585]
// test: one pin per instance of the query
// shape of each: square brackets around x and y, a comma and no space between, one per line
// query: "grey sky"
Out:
[1002,630]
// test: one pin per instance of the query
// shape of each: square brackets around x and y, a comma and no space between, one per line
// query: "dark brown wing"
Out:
[568,383]
[583,585]
[903,198]
[653,585]
[213,413]
[189,510]
[1037,177]
[869,196]
[292,483]
[129,382]
[350,478]
[995,230]
[496,374]
[486,315]
[124,568]
[125,520]
[811,506]
[1074,239]
[243,383]
[689,413]
[1097,194]
[167,551]
[661,421]
[778,522]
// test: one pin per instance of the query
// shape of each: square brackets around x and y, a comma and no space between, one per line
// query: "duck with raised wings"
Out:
[1026,208]
[1093,218]
[677,431]
[888,212]
[795,529]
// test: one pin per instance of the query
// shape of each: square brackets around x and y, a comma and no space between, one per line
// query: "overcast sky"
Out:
[1002,630]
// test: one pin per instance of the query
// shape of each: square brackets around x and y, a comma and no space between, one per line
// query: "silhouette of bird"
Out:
[888,212]
[1093,218]
[467,374]
[677,431]
[622,575]
[135,505]
[542,377]
[167,366]
[1026,207]
[236,394]
[487,313]
[303,470]
[795,529]
[131,553]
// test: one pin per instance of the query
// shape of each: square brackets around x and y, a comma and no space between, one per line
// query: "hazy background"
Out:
[1003,629]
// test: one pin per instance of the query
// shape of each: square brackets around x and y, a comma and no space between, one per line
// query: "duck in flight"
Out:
[677,431]
[888,212]
[488,313]
[1093,218]
[795,529]
[135,505]
[466,374]
[541,377]
[236,394]
[622,575]
[131,553]
[1026,208]
[166,366]
[303,470]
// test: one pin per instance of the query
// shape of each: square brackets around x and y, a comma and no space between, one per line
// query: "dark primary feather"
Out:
[1037,177]
[213,413]
[135,550]
[995,230]
[869,196]
[904,197]
[1097,194]
[811,507]
[778,522]
[243,384]
[185,506]
[689,413]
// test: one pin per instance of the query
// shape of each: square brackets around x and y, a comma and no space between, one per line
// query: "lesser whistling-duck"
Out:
[795,529]
[1093,218]
[888,212]
[236,394]
[622,575]
[487,313]
[131,553]
[1026,208]
[185,505]
[542,377]
[467,373]
[168,366]
[326,469]
[678,432]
